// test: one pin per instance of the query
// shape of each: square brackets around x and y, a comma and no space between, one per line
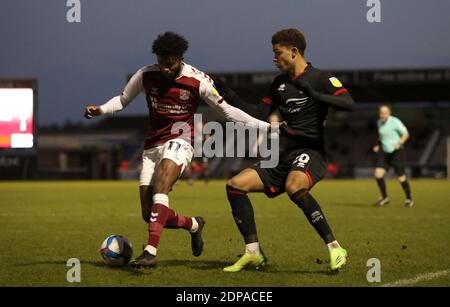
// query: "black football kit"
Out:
[303,104]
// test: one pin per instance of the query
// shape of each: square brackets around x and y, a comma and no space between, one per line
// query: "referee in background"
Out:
[389,150]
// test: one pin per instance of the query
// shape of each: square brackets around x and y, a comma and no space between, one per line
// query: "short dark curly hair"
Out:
[290,38]
[170,44]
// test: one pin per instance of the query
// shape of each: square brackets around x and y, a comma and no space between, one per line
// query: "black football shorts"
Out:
[311,162]
[396,160]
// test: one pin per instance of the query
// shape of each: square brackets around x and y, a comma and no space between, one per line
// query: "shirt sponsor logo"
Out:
[167,108]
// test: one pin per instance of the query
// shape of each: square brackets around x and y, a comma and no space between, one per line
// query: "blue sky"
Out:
[86,63]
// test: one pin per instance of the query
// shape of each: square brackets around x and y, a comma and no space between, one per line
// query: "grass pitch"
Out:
[43,224]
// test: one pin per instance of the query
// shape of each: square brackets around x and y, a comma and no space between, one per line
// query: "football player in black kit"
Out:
[302,94]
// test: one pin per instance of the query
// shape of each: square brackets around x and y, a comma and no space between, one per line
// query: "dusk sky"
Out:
[77,64]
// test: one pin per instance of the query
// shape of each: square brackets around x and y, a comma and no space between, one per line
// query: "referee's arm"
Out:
[403,132]
[402,141]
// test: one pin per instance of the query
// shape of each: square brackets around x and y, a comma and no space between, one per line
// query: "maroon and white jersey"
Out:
[172,101]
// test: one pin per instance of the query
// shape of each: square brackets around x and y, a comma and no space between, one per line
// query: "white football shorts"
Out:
[177,150]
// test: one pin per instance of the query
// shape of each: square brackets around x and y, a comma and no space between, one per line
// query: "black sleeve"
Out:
[328,90]
[334,93]
[260,110]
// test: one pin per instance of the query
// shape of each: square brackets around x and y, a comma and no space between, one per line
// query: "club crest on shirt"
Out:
[184,94]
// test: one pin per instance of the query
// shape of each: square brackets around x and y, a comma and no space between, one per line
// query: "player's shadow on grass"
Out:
[196,264]
[97,264]
[214,265]
[276,270]
[58,262]
[207,265]
[101,264]
[356,205]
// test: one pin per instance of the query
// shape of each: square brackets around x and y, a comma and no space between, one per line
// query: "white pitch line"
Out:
[412,281]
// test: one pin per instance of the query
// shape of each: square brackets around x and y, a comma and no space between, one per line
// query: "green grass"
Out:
[43,224]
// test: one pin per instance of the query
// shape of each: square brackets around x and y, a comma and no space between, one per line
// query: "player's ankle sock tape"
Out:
[405,186]
[162,199]
[234,192]
[242,211]
[313,213]
[382,185]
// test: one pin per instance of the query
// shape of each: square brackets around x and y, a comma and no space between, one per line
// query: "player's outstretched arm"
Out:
[118,103]
[341,101]
[112,106]
[234,114]
[212,97]
[260,111]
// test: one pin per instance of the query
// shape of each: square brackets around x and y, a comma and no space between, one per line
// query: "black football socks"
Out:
[242,211]
[406,189]
[313,213]
[382,185]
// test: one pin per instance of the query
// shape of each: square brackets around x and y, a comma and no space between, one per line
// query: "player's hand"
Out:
[91,111]
[276,125]
[283,126]
[397,146]
[376,148]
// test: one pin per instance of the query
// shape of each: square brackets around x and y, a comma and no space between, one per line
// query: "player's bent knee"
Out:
[235,184]
[379,173]
[402,178]
[246,181]
[299,196]
[239,182]
[292,188]
[296,182]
